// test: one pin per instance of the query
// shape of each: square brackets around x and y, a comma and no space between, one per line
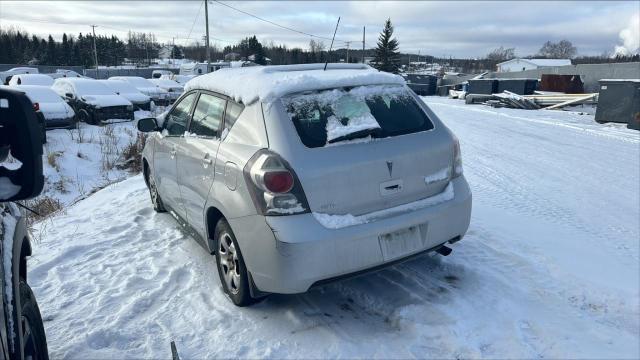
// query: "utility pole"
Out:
[348,43]
[95,49]
[206,19]
[364,29]
[173,47]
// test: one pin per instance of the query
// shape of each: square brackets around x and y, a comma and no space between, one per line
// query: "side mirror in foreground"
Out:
[147,125]
[20,137]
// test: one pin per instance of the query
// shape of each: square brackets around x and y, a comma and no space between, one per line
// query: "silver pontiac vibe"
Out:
[325,180]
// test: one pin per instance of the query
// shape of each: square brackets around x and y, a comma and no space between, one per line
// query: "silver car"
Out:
[294,176]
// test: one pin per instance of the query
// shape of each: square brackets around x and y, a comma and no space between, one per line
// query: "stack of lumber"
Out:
[532,102]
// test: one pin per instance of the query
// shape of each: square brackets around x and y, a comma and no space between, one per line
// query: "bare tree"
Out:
[563,49]
[501,54]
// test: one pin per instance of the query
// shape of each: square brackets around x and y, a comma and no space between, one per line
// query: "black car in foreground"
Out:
[22,333]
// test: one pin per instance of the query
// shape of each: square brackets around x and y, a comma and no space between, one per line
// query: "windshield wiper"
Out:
[355,135]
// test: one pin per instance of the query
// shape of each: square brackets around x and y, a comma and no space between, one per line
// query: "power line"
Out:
[274,23]
[194,21]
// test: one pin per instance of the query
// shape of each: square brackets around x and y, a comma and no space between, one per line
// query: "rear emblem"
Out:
[390,168]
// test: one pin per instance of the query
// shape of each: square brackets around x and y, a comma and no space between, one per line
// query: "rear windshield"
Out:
[363,112]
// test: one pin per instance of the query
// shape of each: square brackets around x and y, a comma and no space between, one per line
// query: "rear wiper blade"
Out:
[355,135]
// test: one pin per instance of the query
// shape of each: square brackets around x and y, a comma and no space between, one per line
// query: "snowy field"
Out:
[549,267]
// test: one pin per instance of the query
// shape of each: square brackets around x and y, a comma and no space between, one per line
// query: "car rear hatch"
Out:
[402,161]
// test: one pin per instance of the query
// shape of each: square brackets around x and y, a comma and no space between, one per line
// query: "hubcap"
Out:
[229,263]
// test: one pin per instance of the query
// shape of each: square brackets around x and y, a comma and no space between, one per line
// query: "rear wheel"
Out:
[231,267]
[156,200]
[34,341]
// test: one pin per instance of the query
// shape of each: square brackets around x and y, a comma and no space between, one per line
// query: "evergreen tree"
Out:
[51,57]
[387,56]
[65,56]
[176,53]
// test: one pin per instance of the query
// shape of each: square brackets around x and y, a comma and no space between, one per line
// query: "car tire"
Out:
[84,116]
[34,340]
[231,267]
[156,200]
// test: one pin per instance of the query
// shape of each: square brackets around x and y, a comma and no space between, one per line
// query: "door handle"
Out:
[173,151]
[206,161]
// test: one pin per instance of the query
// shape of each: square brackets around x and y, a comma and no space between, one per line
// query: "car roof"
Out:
[267,83]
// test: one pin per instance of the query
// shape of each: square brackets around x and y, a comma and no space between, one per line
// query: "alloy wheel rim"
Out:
[153,191]
[229,263]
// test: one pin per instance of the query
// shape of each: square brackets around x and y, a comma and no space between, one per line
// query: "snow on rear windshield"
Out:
[41,94]
[344,114]
[120,86]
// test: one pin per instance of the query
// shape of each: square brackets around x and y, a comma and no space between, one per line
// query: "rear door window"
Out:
[207,116]
[177,119]
[363,112]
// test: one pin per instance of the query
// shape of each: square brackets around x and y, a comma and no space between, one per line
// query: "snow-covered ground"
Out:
[549,267]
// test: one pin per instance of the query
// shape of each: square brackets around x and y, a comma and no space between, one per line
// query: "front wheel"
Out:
[231,267]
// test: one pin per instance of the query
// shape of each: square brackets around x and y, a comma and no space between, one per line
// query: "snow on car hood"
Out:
[57,110]
[267,83]
[106,100]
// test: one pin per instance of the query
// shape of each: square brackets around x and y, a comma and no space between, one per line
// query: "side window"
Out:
[208,115]
[176,122]
[231,115]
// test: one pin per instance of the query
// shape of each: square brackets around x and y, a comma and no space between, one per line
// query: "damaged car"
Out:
[92,101]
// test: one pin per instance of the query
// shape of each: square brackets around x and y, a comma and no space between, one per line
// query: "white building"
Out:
[530,64]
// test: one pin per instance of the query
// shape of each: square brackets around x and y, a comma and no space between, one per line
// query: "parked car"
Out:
[65,73]
[22,334]
[180,79]
[294,176]
[156,74]
[6,76]
[31,79]
[158,96]
[139,100]
[50,108]
[92,101]
[173,88]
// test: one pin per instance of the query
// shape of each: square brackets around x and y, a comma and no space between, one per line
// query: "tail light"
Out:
[456,167]
[274,186]
[36,106]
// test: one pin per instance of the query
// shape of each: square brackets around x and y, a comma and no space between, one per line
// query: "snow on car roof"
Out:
[37,93]
[267,83]
[31,79]
[87,86]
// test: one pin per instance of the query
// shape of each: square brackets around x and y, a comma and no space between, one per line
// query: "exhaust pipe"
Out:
[444,250]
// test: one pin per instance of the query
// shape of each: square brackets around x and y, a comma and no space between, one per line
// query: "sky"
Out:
[459,29]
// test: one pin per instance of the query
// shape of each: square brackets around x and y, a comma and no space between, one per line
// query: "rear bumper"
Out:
[289,254]
[63,123]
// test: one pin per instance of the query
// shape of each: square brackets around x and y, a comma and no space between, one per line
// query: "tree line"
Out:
[141,48]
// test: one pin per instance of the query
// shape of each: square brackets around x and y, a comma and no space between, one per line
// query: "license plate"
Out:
[402,242]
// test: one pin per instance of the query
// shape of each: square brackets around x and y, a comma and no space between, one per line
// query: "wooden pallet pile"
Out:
[532,102]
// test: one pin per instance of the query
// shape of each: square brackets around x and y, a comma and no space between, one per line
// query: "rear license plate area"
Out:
[402,242]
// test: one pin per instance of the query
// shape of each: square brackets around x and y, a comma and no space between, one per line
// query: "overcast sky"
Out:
[462,29]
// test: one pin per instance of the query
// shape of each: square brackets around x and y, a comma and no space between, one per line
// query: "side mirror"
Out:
[147,125]
[68,95]
[20,136]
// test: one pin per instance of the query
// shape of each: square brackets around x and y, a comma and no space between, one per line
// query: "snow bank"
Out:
[257,83]
[341,221]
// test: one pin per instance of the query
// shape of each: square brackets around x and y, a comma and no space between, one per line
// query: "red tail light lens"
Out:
[278,181]
[36,107]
